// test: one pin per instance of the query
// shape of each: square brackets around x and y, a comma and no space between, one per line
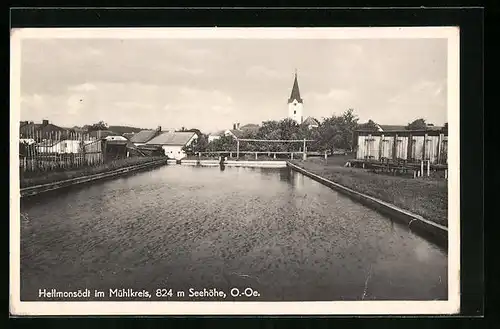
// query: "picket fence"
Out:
[58,150]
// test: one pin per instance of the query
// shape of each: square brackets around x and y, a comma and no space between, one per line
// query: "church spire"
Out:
[295,91]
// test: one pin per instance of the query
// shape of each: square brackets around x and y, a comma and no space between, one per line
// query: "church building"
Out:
[295,103]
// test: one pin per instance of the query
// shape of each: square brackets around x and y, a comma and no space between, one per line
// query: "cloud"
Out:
[133,105]
[259,71]
[192,71]
[421,92]
[83,87]
[74,104]
[333,94]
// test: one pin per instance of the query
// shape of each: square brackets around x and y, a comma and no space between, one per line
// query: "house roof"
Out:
[295,91]
[396,128]
[128,135]
[392,127]
[172,138]
[30,128]
[143,136]
[236,133]
[310,121]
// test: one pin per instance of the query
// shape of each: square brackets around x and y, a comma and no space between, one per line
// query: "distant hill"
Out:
[124,129]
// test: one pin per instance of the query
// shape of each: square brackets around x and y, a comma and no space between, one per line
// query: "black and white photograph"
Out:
[256,170]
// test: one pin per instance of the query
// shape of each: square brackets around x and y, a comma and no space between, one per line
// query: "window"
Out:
[294,112]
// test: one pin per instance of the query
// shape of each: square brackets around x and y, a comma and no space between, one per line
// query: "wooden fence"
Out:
[58,150]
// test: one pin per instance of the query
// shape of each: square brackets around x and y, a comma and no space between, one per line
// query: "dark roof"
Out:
[172,138]
[143,136]
[128,135]
[295,91]
[395,128]
[310,121]
[30,129]
[392,127]
[237,133]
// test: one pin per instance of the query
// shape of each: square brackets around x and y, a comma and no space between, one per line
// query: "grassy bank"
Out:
[38,178]
[425,196]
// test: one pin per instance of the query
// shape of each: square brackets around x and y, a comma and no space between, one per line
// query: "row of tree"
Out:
[335,132]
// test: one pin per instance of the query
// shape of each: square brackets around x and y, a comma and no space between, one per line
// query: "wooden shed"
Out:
[402,144]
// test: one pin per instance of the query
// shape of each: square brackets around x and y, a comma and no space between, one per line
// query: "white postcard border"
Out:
[451,306]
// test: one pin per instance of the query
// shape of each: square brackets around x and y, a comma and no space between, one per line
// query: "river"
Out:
[275,231]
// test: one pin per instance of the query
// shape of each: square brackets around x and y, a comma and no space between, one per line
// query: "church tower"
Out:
[295,103]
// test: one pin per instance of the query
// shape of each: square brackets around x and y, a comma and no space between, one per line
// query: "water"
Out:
[179,227]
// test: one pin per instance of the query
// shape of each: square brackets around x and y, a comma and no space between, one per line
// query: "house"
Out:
[116,146]
[173,142]
[311,123]
[215,136]
[236,132]
[60,147]
[395,142]
[29,129]
[144,136]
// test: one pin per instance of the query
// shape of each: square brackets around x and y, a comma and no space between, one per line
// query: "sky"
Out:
[210,84]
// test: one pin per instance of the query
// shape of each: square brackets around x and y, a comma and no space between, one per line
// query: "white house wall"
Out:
[65,146]
[174,151]
[213,138]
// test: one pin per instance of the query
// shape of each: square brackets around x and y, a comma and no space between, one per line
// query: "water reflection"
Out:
[295,238]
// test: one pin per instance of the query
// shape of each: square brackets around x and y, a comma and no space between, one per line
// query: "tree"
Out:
[199,145]
[418,124]
[336,132]
[101,125]
[224,143]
